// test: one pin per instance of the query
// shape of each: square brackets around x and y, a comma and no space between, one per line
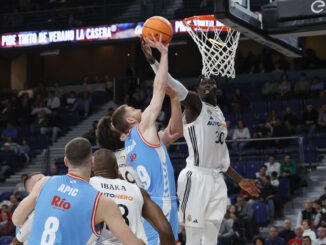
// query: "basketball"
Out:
[157,25]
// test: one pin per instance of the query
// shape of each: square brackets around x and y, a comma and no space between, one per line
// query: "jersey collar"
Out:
[76,177]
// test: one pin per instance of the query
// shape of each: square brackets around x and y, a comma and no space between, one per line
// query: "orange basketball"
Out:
[157,25]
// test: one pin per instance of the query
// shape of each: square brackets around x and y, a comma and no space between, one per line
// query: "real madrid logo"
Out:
[189,218]
[209,111]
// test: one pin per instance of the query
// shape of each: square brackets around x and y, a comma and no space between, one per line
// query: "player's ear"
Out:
[131,120]
[92,162]
[66,162]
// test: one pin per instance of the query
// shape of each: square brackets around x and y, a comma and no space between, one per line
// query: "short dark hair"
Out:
[274,174]
[263,166]
[29,176]
[119,121]
[77,151]
[105,162]
[273,226]
[307,237]
[106,137]
[319,202]
[259,239]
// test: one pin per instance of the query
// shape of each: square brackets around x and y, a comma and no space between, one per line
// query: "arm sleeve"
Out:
[26,229]
[175,84]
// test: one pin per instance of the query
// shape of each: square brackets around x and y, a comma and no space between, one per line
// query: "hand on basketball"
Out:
[157,44]
[250,186]
[147,51]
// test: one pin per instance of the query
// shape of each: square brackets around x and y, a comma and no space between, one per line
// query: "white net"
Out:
[216,43]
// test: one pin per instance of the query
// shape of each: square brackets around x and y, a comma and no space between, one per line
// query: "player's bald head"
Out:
[105,163]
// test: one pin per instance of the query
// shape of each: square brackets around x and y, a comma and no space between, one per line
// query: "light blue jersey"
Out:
[153,166]
[65,212]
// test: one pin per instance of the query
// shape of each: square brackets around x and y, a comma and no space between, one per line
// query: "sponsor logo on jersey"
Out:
[60,203]
[113,187]
[132,157]
[66,189]
[211,122]
[117,196]
[209,111]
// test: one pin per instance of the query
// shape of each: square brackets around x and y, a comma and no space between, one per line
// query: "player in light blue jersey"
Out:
[145,147]
[67,207]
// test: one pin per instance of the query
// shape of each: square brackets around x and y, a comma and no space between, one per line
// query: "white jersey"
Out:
[130,201]
[205,138]
[127,172]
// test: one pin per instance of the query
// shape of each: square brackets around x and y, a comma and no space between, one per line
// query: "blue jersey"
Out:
[155,172]
[65,212]
[152,164]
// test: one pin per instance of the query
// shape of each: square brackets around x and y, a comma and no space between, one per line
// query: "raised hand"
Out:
[250,186]
[147,51]
[171,92]
[157,44]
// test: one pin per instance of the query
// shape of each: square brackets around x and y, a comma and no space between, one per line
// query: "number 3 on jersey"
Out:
[51,226]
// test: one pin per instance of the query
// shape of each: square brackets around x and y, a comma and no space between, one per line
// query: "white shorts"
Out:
[202,195]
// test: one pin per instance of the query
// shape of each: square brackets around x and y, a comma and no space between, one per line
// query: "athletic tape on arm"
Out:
[175,84]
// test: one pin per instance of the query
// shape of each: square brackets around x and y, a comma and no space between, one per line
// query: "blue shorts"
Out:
[170,209]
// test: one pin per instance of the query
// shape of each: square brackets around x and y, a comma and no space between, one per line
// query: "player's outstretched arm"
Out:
[250,186]
[154,215]
[151,113]
[190,100]
[174,130]
[27,205]
[109,212]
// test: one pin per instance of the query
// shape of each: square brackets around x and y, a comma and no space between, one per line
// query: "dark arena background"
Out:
[64,64]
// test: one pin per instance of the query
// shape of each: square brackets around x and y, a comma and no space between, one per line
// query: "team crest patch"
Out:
[209,111]
[189,218]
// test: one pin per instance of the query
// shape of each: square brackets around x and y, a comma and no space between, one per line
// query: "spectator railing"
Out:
[248,160]
[250,155]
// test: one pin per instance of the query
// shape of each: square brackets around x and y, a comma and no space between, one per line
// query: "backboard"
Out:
[238,14]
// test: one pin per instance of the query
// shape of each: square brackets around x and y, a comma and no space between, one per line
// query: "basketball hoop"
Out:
[216,42]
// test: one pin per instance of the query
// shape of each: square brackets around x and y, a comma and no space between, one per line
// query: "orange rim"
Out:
[207,28]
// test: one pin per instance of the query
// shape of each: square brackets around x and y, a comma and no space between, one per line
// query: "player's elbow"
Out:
[16,219]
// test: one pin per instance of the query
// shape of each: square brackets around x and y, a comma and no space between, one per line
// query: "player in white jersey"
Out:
[110,139]
[201,188]
[24,231]
[133,201]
